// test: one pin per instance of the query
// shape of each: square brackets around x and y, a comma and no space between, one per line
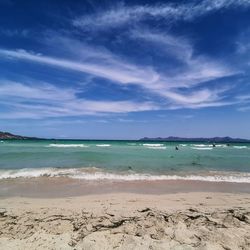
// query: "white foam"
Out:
[95,174]
[152,145]
[67,145]
[31,173]
[103,145]
[2,141]
[239,147]
[183,145]
[221,146]
[202,145]
[201,148]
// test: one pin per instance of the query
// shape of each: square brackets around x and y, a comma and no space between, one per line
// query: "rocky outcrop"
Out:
[9,136]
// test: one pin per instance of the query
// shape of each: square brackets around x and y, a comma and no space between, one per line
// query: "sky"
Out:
[125,69]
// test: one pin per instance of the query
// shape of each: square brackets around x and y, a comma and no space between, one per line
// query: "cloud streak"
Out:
[124,73]
[122,15]
[46,100]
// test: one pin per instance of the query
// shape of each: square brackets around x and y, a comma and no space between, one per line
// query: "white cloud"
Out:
[196,72]
[36,102]
[120,72]
[122,15]
[203,105]
[42,91]
[244,98]
[97,62]
[180,47]
[195,69]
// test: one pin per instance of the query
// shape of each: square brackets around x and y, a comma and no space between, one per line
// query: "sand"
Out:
[194,220]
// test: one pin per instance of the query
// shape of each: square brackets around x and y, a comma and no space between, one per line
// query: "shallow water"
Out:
[125,160]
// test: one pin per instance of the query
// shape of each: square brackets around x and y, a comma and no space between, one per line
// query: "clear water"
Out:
[123,158]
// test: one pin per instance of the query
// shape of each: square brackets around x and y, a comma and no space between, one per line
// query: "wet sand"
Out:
[56,187]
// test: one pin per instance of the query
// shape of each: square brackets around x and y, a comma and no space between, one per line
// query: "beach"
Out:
[124,218]
[124,125]
[124,195]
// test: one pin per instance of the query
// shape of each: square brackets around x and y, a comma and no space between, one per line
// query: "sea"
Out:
[125,160]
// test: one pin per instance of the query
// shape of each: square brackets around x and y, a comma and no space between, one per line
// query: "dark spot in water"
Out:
[196,163]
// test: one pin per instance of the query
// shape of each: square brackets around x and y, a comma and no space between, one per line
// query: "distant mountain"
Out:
[9,136]
[200,139]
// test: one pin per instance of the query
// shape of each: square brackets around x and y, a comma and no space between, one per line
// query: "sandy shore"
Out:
[194,220]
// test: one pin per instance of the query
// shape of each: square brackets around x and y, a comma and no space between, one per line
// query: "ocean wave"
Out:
[162,147]
[152,145]
[201,148]
[95,174]
[202,145]
[103,145]
[240,147]
[45,172]
[221,145]
[68,145]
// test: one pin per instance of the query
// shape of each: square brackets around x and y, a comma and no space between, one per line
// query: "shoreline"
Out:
[60,187]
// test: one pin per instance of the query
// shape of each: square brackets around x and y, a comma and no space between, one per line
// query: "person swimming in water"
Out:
[176,148]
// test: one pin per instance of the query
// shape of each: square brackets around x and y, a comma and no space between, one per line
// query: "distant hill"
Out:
[200,139]
[9,136]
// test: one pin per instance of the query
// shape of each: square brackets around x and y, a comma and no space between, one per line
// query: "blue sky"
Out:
[125,69]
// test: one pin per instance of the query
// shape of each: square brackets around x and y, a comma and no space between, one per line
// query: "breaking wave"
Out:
[240,147]
[201,148]
[95,174]
[152,145]
[68,145]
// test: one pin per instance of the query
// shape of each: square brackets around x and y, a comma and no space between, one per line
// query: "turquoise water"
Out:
[124,160]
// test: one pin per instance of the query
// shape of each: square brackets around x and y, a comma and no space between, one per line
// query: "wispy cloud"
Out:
[41,101]
[176,88]
[42,91]
[122,15]
[121,72]
[180,47]
[244,109]
[194,69]
[244,97]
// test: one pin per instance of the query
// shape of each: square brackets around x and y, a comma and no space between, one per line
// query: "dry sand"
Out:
[127,221]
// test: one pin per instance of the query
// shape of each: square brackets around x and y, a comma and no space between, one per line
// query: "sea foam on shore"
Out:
[94,174]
